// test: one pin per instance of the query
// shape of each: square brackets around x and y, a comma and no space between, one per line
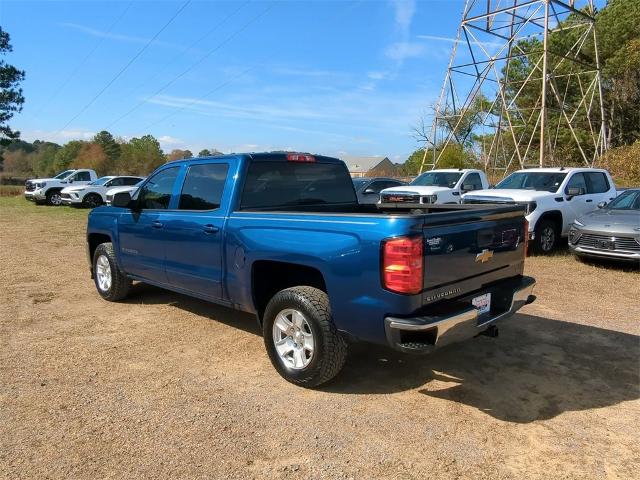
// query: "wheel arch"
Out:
[552,215]
[95,239]
[268,277]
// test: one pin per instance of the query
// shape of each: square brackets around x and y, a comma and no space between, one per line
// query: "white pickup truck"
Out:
[553,198]
[437,187]
[94,194]
[48,190]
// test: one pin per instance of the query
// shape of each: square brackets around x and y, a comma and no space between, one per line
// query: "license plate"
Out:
[482,303]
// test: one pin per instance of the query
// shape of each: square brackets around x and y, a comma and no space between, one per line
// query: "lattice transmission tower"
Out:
[523,86]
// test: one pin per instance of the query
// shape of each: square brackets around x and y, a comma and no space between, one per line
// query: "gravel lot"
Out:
[168,386]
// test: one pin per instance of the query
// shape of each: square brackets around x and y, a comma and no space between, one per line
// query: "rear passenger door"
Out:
[194,254]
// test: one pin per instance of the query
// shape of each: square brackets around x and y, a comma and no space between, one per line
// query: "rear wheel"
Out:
[111,282]
[547,236]
[300,337]
[54,198]
[92,200]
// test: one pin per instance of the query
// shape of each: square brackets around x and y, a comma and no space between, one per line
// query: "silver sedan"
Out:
[612,231]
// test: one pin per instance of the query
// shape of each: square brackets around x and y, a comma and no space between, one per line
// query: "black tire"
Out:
[92,200]
[330,349]
[120,284]
[547,236]
[53,198]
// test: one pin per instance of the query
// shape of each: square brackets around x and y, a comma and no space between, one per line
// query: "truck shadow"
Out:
[538,368]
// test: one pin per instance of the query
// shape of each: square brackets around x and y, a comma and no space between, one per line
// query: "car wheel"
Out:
[92,200]
[111,282]
[54,198]
[300,337]
[547,236]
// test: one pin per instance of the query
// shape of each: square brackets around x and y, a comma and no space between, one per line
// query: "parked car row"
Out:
[80,187]
[557,201]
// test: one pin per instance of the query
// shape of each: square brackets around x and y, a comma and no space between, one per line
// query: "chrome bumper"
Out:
[426,333]
[612,254]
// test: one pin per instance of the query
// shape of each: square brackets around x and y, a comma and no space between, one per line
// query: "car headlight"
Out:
[578,223]
[429,198]
[531,206]
[42,184]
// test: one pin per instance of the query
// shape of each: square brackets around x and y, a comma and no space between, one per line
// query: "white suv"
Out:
[95,193]
[553,198]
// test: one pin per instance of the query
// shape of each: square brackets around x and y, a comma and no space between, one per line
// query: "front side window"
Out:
[597,182]
[156,193]
[628,200]
[129,181]
[100,181]
[473,179]
[577,181]
[116,182]
[203,187]
[82,177]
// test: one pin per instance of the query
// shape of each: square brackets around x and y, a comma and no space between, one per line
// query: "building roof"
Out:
[362,164]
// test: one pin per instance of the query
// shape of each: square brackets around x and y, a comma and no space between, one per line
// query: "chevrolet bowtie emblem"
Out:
[484,256]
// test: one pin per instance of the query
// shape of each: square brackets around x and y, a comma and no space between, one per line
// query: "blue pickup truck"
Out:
[281,235]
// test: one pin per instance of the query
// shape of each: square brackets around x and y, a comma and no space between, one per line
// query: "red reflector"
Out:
[402,265]
[300,157]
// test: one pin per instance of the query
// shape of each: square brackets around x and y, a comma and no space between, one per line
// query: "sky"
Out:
[348,77]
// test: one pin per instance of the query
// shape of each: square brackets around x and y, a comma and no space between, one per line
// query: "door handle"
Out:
[156,224]
[590,200]
[210,228]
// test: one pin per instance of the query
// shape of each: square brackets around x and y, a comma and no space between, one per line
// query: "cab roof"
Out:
[263,157]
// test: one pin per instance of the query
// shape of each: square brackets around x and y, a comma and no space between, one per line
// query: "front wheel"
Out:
[547,236]
[111,282]
[92,200]
[300,337]
[54,198]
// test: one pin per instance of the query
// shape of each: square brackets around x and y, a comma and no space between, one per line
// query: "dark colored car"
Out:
[368,189]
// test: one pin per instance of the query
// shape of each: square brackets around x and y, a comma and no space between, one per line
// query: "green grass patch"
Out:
[19,205]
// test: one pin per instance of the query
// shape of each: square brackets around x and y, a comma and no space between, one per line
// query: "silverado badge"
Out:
[484,256]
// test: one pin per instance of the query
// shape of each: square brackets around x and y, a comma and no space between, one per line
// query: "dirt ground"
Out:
[167,386]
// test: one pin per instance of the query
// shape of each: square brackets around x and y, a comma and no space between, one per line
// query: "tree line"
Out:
[103,153]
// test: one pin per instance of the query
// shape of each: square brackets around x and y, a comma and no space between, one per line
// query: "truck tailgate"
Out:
[466,250]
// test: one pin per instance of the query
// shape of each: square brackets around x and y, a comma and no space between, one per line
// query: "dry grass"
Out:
[165,386]
[11,190]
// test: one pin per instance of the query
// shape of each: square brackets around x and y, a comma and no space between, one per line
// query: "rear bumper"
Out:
[459,321]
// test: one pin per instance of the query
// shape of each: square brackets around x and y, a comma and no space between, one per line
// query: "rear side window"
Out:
[203,187]
[597,182]
[287,184]
[156,193]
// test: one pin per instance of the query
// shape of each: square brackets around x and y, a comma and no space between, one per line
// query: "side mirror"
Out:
[121,199]
[467,187]
[369,191]
[575,191]
[602,204]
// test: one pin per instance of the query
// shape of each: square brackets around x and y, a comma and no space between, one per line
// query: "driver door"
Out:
[143,238]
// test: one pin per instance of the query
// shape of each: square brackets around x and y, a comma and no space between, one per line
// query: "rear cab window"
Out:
[278,185]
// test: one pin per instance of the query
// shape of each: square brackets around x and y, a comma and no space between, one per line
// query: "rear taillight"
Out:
[526,237]
[300,157]
[402,265]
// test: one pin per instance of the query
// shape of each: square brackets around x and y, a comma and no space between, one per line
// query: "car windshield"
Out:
[64,174]
[101,181]
[437,179]
[539,181]
[627,200]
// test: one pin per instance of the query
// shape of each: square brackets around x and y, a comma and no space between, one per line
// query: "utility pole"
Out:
[562,91]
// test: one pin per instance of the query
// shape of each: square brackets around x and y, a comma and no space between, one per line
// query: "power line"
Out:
[129,63]
[194,65]
[180,54]
[83,62]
